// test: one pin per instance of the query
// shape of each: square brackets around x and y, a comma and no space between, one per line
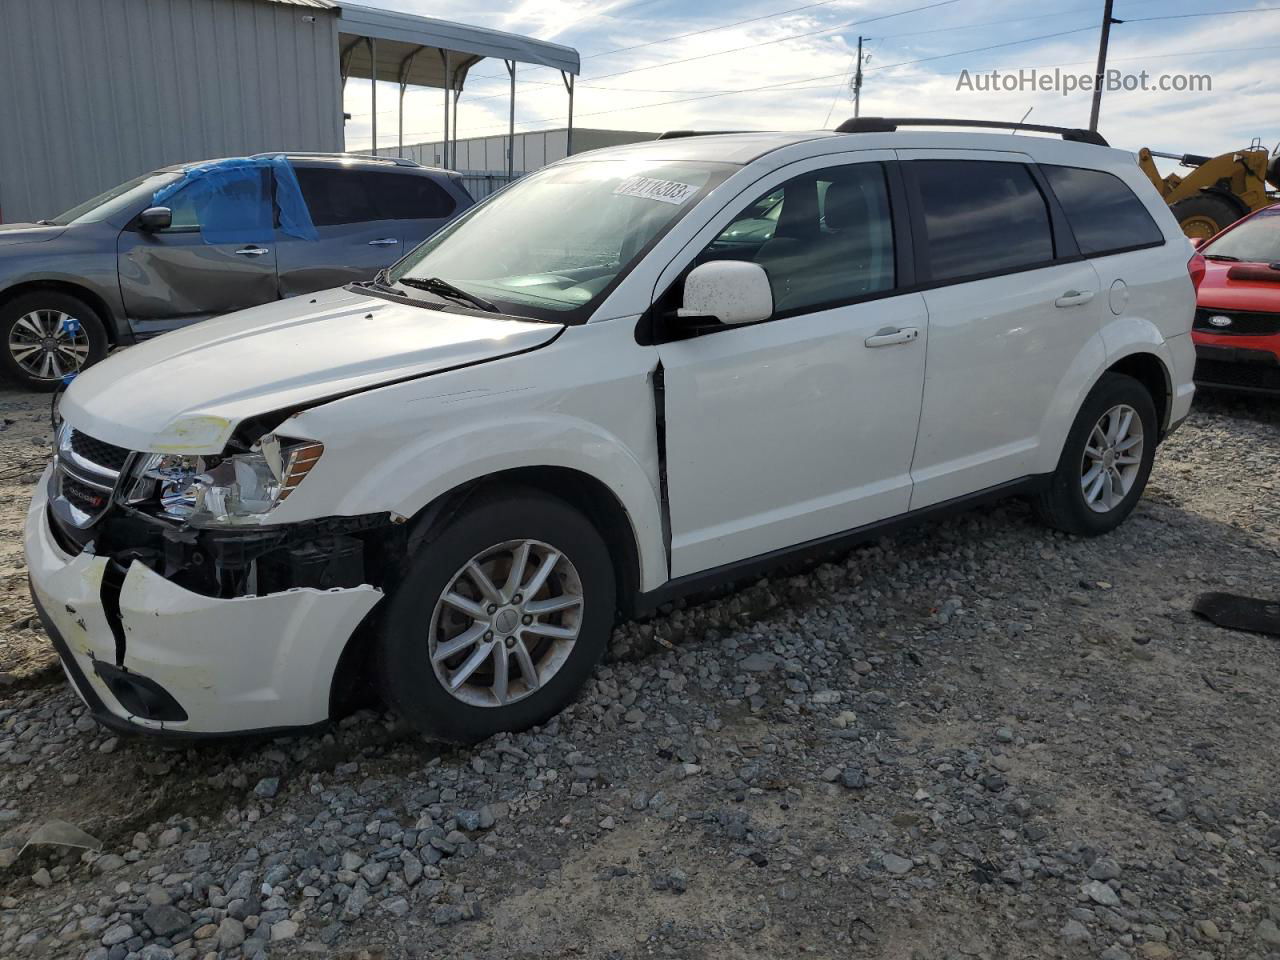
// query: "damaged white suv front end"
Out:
[189,610]
[181,594]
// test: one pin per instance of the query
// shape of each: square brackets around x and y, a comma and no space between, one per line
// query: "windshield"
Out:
[553,244]
[1256,240]
[119,199]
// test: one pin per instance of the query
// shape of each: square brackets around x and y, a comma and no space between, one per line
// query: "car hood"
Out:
[187,391]
[15,233]
[1220,291]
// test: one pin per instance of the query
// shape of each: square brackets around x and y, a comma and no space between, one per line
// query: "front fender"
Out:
[397,450]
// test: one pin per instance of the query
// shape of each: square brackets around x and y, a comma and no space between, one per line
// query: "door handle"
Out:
[384,242]
[252,251]
[1073,298]
[888,336]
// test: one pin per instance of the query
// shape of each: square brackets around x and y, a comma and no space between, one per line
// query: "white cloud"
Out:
[1226,118]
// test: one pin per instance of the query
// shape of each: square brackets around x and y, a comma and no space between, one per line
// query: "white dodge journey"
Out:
[630,375]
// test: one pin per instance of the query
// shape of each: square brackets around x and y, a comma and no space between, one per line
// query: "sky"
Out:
[696,65]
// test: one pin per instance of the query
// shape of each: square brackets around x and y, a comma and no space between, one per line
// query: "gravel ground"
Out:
[978,739]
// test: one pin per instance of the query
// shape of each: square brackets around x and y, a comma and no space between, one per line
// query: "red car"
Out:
[1237,325]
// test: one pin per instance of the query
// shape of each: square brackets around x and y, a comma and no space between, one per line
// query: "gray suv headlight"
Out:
[220,490]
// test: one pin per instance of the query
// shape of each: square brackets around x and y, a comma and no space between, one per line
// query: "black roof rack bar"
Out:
[889,124]
[681,134]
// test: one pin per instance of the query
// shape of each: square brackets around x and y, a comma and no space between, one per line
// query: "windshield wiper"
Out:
[46,223]
[443,288]
[1221,256]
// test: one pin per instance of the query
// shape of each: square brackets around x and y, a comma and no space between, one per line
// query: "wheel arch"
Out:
[1152,372]
[79,291]
[576,488]
[348,687]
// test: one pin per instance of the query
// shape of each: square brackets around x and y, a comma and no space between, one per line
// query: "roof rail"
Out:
[319,155]
[681,134]
[889,124]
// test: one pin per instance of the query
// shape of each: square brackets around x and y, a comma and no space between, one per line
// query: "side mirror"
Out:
[155,218]
[1198,242]
[731,291]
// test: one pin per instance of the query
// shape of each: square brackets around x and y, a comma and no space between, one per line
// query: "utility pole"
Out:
[857,79]
[1107,21]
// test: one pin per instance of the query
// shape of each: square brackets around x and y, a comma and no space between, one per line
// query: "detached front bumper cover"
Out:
[185,663]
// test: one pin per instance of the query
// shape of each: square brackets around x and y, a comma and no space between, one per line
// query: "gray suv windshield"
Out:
[119,199]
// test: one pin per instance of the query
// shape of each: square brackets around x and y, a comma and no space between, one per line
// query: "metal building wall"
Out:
[533,149]
[98,91]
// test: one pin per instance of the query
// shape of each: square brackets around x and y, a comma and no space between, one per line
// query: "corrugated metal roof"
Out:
[318,4]
[428,33]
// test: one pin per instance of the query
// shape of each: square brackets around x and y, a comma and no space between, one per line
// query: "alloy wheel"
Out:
[1112,458]
[506,623]
[49,344]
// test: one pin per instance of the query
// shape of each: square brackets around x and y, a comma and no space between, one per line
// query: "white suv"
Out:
[628,376]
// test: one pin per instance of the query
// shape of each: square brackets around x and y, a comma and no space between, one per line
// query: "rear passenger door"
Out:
[1013,319]
[417,202]
[357,239]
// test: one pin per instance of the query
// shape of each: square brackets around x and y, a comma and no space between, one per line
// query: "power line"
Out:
[718,53]
[765,43]
[788,83]
[1187,16]
[792,84]
[683,36]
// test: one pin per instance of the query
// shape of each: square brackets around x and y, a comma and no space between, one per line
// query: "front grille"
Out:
[87,473]
[1247,376]
[82,496]
[104,454]
[1243,322]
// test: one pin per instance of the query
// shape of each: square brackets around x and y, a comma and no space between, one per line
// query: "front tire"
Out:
[1105,461]
[46,336]
[500,618]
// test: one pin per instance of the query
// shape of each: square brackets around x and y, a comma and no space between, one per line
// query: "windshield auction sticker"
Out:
[665,191]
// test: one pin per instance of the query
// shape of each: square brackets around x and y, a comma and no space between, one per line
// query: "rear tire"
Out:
[504,630]
[46,336]
[1105,461]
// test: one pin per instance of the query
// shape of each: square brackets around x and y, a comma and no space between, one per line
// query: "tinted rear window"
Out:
[339,196]
[404,196]
[1103,212]
[981,217]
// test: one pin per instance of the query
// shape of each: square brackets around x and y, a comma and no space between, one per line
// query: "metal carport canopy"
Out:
[421,51]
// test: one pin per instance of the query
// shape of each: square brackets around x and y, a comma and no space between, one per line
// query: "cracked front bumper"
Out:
[237,665]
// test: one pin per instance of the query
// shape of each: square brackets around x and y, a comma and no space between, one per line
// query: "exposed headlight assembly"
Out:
[209,490]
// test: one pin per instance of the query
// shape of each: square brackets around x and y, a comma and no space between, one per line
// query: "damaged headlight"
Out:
[224,489]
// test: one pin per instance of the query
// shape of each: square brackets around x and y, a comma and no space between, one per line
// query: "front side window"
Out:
[554,243]
[981,217]
[1104,214]
[824,238]
[1257,240]
[225,208]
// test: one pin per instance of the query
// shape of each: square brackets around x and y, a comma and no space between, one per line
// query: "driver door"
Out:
[170,278]
[802,426]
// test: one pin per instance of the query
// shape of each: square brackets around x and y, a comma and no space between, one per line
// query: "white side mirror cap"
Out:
[732,291]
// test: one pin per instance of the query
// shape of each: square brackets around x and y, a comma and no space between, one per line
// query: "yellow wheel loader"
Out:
[1219,190]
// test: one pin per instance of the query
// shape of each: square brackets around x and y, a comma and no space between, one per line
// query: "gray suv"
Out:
[118,268]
